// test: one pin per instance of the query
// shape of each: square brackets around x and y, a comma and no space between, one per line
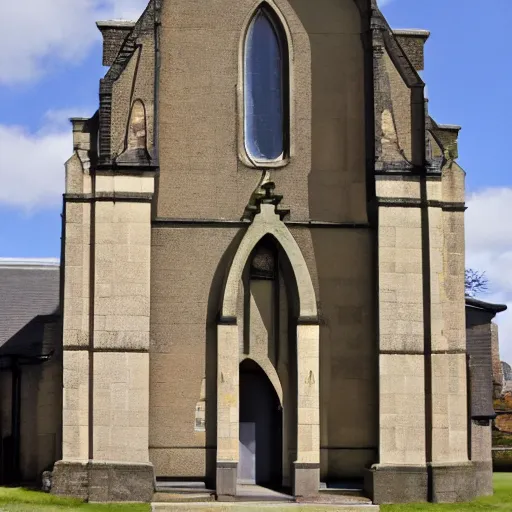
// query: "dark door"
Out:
[261,420]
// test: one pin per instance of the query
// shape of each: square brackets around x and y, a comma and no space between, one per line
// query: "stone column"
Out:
[401,474]
[451,472]
[228,396]
[70,475]
[107,251]
[120,371]
[306,480]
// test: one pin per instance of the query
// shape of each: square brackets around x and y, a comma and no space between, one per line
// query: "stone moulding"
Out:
[267,220]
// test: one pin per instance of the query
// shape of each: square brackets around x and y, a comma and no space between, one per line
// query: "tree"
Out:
[476,282]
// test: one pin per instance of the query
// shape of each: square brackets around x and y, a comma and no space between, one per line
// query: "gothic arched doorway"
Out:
[279,332]
[260,428]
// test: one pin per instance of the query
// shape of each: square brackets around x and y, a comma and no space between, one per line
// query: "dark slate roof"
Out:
[29,299]
[485,306]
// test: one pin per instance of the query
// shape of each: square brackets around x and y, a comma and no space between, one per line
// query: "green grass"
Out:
[501,501]
[22,500]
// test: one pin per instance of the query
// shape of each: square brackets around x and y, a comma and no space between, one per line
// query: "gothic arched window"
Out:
[266,78]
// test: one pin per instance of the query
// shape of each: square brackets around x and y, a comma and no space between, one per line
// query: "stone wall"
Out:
[203,172]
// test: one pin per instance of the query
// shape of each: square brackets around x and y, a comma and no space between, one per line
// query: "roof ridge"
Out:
[29,262]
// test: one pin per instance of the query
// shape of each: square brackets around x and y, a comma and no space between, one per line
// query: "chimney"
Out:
[114,33]
[81,133]
[413,43]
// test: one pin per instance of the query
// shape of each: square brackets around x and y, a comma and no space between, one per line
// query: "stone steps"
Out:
[343,488]
[167,497]
[172,496]
[343,492]
[182,492]
[255,506]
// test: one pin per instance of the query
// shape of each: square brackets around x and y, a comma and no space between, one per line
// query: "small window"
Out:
[265,88]
[263,263]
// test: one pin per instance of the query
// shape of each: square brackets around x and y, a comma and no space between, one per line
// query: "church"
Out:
[262,263]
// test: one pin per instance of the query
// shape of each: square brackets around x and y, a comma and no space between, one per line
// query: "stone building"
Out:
[485,384]
[263,260]
[30,369]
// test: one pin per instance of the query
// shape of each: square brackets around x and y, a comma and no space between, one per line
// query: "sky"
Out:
[50,71]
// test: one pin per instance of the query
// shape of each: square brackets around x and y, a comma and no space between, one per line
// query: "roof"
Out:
[29,263]
[29,294]
[485,306]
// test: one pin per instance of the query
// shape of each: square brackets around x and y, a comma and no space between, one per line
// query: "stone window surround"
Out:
[243,154]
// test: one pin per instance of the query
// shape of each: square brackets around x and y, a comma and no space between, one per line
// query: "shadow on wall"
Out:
[346,282]
[31,401]
[336,183]
[343,261]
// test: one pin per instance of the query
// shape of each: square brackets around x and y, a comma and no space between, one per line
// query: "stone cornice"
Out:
[130,197]
[223,223]
[406,202]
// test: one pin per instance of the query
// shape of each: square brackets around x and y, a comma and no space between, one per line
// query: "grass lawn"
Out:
[21,500]
[502,500]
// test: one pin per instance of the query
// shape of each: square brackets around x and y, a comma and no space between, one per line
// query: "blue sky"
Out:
[51,68]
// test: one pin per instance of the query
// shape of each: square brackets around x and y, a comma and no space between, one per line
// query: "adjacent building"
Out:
[485,385]
[30,369]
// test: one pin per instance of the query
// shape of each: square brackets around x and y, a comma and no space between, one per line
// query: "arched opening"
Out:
[136,137]
[266,84]
[260,429]
[268,316]
[270,311]
[136,144]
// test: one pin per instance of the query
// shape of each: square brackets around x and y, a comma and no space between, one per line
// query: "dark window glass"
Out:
[264,94]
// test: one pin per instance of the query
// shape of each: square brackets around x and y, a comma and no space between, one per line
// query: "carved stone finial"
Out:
[264,194]
[270,197]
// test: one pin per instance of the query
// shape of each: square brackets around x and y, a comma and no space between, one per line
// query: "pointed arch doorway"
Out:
[301,413]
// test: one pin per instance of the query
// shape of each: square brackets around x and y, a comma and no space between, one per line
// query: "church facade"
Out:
[263,261]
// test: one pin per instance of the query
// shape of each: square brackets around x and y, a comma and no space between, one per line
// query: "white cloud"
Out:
[127,9]
[489,250]
[32,164]
[43,32]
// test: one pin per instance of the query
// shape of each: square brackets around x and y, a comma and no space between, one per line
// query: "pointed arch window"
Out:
[266,112]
